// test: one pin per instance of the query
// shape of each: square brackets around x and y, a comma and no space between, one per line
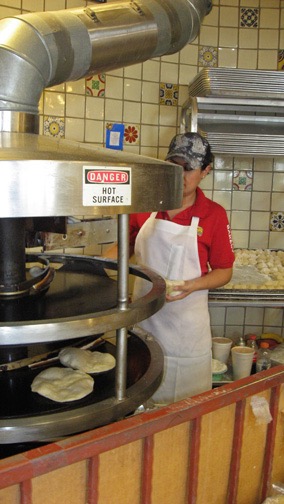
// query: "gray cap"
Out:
[191,147]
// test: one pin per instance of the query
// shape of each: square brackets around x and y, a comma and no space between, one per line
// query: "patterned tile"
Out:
[131,134]
[54,126]
[95,85]
[208,56]
[249,18]
[277,221]
[242,180]
[280,63]
[168,94]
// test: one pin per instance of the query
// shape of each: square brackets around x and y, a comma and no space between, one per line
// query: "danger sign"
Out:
[106,186]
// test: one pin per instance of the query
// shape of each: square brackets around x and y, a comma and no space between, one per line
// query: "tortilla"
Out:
[62,384]
[85,360]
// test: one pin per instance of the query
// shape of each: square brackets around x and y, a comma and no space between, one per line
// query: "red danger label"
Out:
[107,177]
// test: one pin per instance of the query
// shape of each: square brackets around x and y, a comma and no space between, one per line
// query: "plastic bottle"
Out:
[251,342]
[263,357]
[241,342]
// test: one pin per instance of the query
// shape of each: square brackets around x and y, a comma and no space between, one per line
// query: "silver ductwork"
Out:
[44,49]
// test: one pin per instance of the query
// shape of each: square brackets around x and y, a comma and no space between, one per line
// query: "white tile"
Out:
[187,73]
[169,73]
[227,57]
[235,315]
[267,59]
[262,181]
[260,221]
[258,239]
[94,108]
[113,110]
[168,115]
[52,5]
[54,104]
[229,16]
[166,133]
[33,5]
[278,183]
[212,19]
[150,92]
[78,87]
[223,198]
[94,132]
[260,201]
[133,71]
[263,164]
[75,105]
[132,112]
[74,129]
[208,36]
[150,114]
[248,38]
[189,55]
[222,180]
[151,71]
[228,37]
[269,18]
[254,315]
[247,59]
[277,202]
[273,317]
[240,238]
[132,89]
[149,136]
[268,39]
[241,200]
[240,219]
[114,87]
[276,240]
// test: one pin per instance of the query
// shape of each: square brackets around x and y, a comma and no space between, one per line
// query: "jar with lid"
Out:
[263,357]
[251,342]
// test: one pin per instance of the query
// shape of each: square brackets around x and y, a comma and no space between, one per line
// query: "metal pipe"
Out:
[123,292]
[44,49]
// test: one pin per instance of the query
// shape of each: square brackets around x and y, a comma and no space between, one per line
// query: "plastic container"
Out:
[263,357]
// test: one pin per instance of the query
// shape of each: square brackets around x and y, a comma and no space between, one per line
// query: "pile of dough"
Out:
[62,384]
[170,284]
[258,270]
[85,360]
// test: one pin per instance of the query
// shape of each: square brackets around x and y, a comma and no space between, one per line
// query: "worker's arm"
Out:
[212,280]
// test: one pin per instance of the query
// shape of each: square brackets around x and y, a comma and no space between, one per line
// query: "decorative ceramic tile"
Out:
[131,134]
[54,126]
[242,180]
[280,64]
[277,221]
[249,18]
[208,56]
[168,94]
[95,85]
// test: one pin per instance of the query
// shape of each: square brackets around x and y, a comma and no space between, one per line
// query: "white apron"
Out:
[182,327]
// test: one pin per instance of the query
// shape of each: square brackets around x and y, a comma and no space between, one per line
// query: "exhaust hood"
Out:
[241,112]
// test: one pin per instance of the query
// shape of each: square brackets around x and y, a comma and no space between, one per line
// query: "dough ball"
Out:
[62,385]
[85,360]
[170,284]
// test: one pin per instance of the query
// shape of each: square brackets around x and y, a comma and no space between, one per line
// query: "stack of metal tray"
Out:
[238,82]
[241,112]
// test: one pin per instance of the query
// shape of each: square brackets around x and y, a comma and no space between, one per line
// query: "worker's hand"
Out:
[180,291]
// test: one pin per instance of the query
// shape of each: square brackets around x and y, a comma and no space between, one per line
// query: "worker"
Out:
[193,246]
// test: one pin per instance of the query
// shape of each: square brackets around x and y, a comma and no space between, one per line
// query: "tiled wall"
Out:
[147,98]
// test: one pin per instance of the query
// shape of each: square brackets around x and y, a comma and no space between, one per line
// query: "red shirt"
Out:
[214,239]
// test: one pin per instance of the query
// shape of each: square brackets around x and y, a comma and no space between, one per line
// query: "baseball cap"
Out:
[191,147]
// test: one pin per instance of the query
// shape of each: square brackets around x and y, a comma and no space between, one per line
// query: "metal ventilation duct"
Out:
[241,112]
[45,49]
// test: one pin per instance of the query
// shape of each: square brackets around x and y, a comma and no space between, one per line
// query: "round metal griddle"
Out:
[81,301]
[28,417]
